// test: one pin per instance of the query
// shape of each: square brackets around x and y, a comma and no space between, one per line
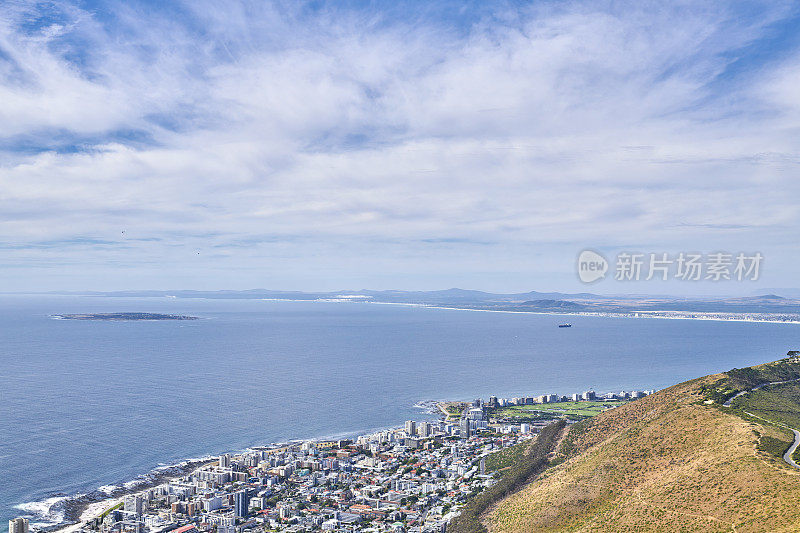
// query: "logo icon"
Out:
[591,266]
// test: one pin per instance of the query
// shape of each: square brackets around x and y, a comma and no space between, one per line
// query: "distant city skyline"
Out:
[393,145]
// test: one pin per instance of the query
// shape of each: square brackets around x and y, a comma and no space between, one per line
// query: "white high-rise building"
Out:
[133,504]
[411,428]
[18,525]
[424,429]
[225,460]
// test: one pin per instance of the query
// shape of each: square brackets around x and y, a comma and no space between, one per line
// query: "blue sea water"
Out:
[91,403]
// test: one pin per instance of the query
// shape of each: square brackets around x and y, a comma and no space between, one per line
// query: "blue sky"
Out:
[412,145]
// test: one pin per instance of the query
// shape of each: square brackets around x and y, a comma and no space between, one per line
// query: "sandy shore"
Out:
[651,314]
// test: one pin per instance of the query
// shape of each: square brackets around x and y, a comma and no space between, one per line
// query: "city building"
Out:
[241,503]
[424,429]
[465,429]
[405,475]
[133,504]
[226,524]
[18,525]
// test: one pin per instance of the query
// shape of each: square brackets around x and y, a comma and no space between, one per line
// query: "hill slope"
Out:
[671,462]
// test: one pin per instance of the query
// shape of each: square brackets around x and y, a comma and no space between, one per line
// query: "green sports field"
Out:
[589,408]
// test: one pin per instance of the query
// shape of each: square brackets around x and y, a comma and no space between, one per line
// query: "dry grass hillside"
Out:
[668,462]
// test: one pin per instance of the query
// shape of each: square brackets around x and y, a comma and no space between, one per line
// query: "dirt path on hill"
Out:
[728,403]
[788,455]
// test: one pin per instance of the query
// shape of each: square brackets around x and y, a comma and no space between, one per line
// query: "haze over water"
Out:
[93,403]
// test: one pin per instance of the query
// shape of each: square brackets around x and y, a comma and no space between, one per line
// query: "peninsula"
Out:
[757,308]
[123,316]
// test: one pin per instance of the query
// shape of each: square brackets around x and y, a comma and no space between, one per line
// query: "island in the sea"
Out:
[123,316]
[784,307]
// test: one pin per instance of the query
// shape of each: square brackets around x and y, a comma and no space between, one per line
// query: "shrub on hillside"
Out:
[531,464]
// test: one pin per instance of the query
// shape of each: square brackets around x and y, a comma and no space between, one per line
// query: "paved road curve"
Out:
[728,403]
[788,455]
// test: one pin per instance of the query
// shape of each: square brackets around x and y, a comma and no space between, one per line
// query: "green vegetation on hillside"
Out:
[672,462]
[777,403]
[569,446]
[530,464]
[771,445]
[741,379]
[506,457]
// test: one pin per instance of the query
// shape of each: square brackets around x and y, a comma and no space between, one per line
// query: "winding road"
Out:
[788,455]
[728,403]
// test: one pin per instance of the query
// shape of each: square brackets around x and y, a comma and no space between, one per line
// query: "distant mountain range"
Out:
[785,292]
[526,301]
[439,296]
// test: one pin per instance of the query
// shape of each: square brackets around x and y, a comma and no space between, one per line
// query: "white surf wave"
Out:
[45,512]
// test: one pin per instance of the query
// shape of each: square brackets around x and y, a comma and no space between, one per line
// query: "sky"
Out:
[405,145]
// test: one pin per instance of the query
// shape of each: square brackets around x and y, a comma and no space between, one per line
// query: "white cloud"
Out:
[288,131]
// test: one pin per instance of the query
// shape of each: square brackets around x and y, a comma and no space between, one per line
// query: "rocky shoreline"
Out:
[74,507]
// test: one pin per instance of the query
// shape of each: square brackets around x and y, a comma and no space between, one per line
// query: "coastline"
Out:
[658,314]
[73,508]
[81,508]
[649,314]
[76,510]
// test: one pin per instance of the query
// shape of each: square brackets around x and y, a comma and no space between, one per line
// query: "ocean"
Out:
[91,404]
